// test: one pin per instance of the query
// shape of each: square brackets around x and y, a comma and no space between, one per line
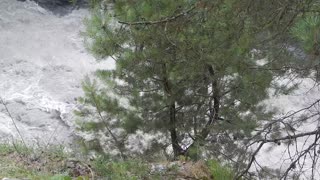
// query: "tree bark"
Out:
[214,107]
[177,150]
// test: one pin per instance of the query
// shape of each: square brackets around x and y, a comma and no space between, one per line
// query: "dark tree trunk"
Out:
[214,104]
[214,107]
[177,150]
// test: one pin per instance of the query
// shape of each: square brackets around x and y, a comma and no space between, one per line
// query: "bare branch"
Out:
[291,136]
[293,164]
[253,157]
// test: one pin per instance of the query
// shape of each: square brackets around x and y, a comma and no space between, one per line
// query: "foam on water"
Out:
[42,63]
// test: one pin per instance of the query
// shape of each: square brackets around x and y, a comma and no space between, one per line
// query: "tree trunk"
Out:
[214,107]
[177,150]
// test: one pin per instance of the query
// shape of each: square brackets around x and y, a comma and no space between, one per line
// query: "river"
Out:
[42,63]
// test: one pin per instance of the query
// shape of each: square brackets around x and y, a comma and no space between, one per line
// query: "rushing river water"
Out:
[42,63]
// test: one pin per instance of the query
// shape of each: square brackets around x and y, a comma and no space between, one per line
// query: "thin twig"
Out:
[106,125]
[292,165]
[253,157]
[13,121]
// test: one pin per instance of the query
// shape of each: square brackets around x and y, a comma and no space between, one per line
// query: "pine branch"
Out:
[165,20]
[289,137]
[115,139]
[285,117]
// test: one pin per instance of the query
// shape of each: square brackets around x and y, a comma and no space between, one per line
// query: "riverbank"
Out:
[54,163]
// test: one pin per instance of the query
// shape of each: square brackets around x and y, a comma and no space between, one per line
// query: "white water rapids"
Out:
[42,63]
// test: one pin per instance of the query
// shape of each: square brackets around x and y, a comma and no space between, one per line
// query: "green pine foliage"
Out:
[307,31]
[184,68]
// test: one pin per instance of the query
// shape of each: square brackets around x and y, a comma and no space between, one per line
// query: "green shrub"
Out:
[118,170]
[60,177]
[220,172]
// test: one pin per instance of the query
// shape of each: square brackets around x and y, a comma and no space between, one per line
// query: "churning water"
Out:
[42,63]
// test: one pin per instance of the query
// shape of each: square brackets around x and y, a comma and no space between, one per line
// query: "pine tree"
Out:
[184,68]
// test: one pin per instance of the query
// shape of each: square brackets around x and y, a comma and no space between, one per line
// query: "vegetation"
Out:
[220,172]
[197,72]
[192,78]
[18,161]
[185,71]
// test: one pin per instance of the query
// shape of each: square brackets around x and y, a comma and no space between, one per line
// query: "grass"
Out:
[118,170]
[135,169]
[220,172]
[9,167]
[18,161]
